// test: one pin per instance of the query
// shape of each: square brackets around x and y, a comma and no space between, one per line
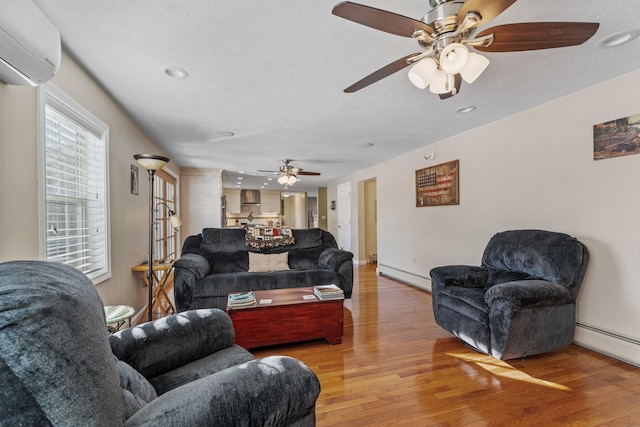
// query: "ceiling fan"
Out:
[446,32]
[289,174]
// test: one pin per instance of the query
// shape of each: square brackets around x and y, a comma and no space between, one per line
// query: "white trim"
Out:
[608,343]
[359,262]
[49,92]
[412,279]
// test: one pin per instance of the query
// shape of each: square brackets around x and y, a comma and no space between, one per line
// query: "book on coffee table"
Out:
[242,299]
[325,292]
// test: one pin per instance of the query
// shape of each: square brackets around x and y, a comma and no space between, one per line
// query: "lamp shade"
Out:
[422,73]
[175,221]
[283,179]
[151,162]
[454,58]
[292,179]
[475,66]
[441,83]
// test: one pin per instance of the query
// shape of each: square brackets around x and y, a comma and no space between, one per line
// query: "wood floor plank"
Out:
[396,367]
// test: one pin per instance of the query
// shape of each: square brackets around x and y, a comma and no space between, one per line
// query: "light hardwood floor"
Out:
[395,366]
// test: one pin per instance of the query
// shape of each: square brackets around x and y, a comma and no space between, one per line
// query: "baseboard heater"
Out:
[607,342]
[404,276]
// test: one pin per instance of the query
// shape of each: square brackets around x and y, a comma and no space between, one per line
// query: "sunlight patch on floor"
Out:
[503,369]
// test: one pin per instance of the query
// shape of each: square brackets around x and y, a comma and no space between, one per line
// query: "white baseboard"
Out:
[610,343]
[412,279]
[359,262]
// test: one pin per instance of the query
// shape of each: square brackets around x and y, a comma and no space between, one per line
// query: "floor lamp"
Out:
[151,163]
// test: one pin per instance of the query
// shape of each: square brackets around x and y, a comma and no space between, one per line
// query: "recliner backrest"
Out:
[538,254]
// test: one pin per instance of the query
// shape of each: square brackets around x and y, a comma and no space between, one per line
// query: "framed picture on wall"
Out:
[134,180]
[438,185]
[616,138]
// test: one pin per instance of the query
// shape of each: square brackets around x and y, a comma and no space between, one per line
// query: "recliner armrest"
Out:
[332,258]
[529,293]
[276,390]
[160,346]
[195,263]
[459,275]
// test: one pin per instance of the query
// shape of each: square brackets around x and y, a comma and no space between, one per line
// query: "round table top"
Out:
[115,313]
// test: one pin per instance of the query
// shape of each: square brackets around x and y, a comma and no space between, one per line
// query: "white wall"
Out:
[19,180]
[201,191]
[532,170]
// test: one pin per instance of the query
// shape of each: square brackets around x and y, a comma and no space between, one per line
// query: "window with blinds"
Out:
[75,194]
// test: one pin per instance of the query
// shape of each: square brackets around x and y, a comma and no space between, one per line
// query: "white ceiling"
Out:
[272,72]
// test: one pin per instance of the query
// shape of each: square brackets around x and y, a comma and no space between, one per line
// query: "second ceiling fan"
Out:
[446,32]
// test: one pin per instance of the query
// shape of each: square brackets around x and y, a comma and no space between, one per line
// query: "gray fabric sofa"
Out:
[521,301]
[59,367]
[215,263]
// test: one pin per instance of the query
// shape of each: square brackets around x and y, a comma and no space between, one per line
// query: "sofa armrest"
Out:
[274,391]
[459,275]
[529,293]
[195,263]
[332,258]
[154,348]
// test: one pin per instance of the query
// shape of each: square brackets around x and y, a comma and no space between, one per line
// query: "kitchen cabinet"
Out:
[233,200]
[270,201]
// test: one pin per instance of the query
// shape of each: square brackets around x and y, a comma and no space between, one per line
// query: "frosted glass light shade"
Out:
[454,58]
[283,179]
[422,72]
[475,66]
[151,162]
[441,83]
[292,180]
[175,221]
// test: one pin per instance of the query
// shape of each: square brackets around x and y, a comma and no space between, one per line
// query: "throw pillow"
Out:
[268,263]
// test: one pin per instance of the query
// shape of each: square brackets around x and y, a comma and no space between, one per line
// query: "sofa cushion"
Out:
[136,390]
[201,368]
[304,259]
[268,263]
[228,262]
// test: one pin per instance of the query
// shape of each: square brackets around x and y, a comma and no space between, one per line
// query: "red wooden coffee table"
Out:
[289,317]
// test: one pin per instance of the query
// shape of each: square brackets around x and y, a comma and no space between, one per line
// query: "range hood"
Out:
[249,197]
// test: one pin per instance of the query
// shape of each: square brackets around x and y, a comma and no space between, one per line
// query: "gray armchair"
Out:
[521,301]
[59,367]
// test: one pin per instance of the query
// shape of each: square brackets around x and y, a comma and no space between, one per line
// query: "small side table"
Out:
[117,314]
[163,276]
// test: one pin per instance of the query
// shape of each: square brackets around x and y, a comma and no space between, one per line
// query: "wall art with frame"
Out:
[438,185]
[616,138]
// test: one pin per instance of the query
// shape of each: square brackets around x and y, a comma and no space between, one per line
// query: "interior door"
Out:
[344,216]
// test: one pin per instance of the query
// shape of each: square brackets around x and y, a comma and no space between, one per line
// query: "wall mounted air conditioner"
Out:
[29,44]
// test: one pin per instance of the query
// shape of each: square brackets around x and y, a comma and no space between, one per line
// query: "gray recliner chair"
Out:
[521,301]
[59,367]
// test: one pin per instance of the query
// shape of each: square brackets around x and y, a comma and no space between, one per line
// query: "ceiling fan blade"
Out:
[457,83]
[380,74]
[488,9]
[538,35]
[380,19]
[308,173]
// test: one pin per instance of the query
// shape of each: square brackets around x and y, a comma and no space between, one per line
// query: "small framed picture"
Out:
[134,180]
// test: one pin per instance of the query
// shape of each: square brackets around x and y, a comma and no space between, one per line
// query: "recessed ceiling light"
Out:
[465,110]
[222,134]
[265,183]
[176,72]
[618,39]
[240,171]
[269,179]
[241,177]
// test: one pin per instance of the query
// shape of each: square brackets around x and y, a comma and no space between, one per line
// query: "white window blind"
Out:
[75,178]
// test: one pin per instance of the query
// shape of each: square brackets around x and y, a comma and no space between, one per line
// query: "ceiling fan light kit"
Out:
[448,30]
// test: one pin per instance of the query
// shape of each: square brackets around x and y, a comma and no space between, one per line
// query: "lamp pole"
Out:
[151,163]
[152,174]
